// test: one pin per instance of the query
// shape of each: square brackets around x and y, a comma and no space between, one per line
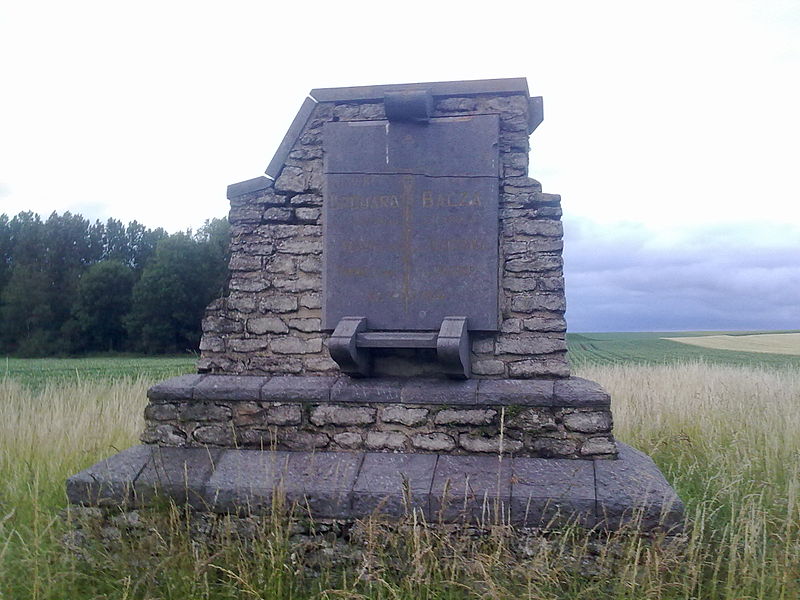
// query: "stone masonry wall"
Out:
[270,320]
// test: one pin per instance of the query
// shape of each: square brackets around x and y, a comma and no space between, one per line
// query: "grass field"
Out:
[727,436]
[649,348]
[38,371]
[765,343]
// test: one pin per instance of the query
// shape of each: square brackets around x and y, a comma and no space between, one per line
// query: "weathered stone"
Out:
[311,264]
[342,415]
[282,263]
[262,325]
[545,228]
[379,440]
[433,442]
[212,343]
[291,179]
[483,344]
[588,422]
[294,345]
[308,214]
[349,440]
[307,325]
[540,264]
[527,345]
[545,324]
[405,416]
[488,367]
[304,440]
[297,284]
[320,364]
[278,304]
[248,344]
[533,302]
[301,247]
[218,435]
[289,414]
[310,301]
[465,417]
[511,326]
[598,445]
[204,411]
[495,445]
[577,391]
[552,447]
[243,262]
[247,285]
[278,215]
[163,435]
[175,388]
[532,420]
[546,366]
[221,325]
[246,413]
[161,412]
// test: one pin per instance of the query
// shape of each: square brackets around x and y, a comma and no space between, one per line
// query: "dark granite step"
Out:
[530,492]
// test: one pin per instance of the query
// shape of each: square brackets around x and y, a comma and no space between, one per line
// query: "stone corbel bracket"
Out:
[350,343]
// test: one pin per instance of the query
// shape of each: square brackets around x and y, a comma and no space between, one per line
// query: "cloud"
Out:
[624,277]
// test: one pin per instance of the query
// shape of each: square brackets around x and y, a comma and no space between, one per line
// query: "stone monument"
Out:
[393,334]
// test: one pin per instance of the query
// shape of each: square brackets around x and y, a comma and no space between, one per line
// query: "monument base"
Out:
[479,490]
[544,418]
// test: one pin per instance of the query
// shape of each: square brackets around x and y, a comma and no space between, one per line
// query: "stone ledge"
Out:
[570,392]
[531,492]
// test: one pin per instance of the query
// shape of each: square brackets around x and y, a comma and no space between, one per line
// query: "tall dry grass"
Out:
[727,438]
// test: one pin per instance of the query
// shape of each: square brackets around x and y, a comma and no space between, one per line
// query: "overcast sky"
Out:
[671,128]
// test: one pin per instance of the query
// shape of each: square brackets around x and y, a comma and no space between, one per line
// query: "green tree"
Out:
[170,297]
[104,299]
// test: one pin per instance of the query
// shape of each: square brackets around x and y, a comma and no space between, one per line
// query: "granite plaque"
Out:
[411,223]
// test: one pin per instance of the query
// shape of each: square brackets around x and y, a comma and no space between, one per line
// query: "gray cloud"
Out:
[625,278]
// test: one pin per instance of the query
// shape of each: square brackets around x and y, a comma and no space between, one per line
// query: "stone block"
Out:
[204,411]
[577,391]
[385,440]
[394,484]
[278,303]
[215,435]
[178,474]
[244,481]
[342,415]
[262,325]
[433,442]
[366,390]
[295,345]
[529,344]
[409,417]
[289,414]
[535,392]
[548,493]
[493,444]
[488,367]
[588,422]
[163,434]
[477,416]
[175,388]
[110,481]
[305,389]
[535,302]
[439,391]
[597,446]
[631,491]
[248,345]
[544,324]
[554,447]
[532,420]
[230,387]
[306,325]
[161,412]
[472,489]
[349,440]
[555,365]
[322,482]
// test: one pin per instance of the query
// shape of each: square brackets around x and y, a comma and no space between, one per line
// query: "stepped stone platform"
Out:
[546,418]
[521,491]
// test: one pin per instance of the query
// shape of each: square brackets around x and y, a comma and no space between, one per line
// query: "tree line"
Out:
[69,286]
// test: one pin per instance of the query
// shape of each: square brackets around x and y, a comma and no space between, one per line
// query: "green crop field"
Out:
[39,371]
[652,348]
